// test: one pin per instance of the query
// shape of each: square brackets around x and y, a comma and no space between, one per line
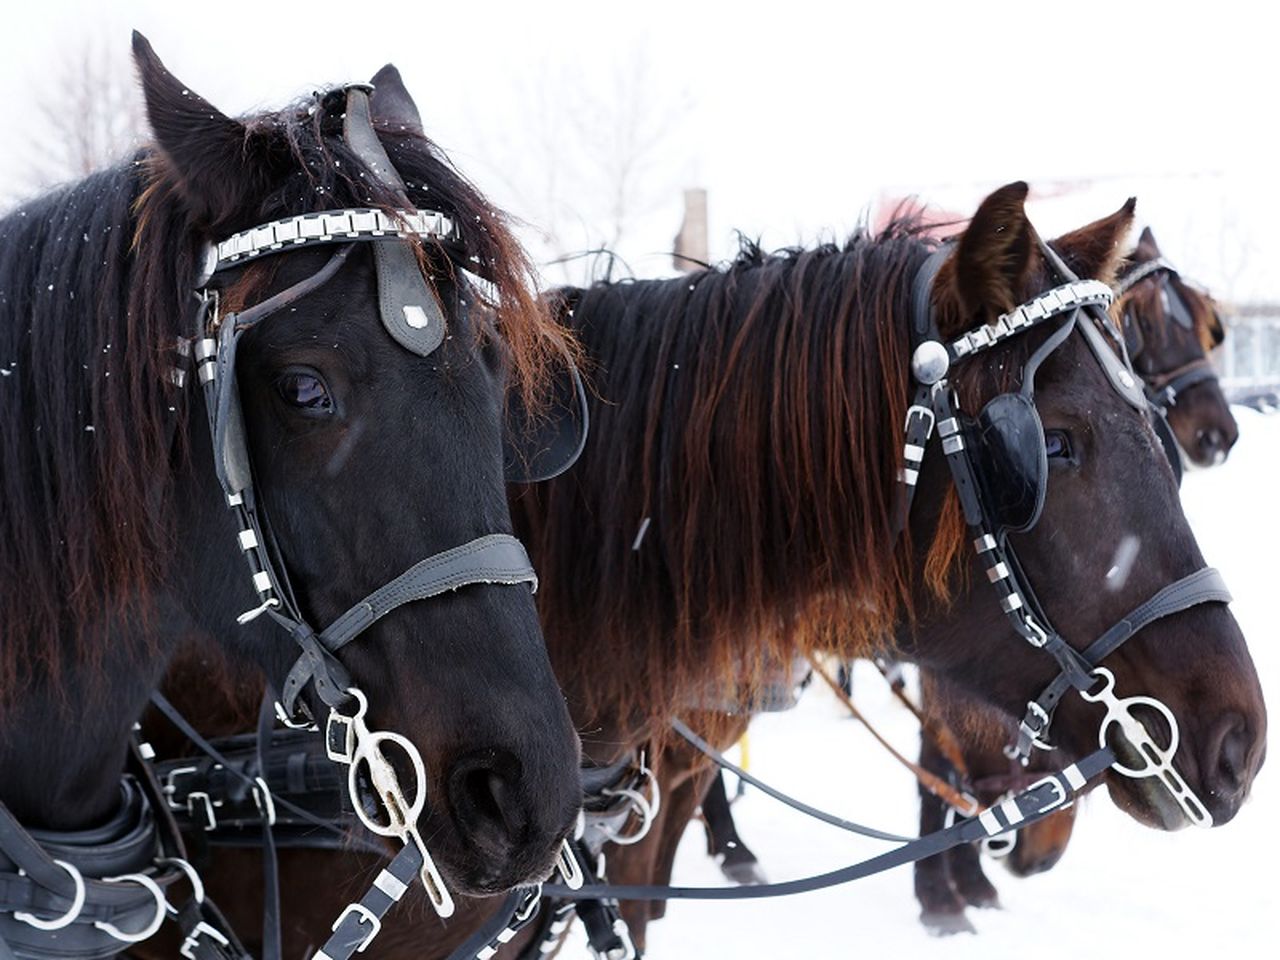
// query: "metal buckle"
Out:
[192,942]
[375,925]
[1060,796]
[292,723]
[917,410]
[150,930]
[264,801]
[211,820]
[68,918]
[170,789]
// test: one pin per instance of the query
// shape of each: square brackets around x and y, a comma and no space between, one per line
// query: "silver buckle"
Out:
[211,819]
[365,914]
[189,945]
[170,788]
[1060,795]
[916,410]
[264,801]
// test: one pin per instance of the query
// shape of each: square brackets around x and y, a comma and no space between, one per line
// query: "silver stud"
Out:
[930,362]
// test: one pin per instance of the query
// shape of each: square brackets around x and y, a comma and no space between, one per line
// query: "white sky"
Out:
[795,115]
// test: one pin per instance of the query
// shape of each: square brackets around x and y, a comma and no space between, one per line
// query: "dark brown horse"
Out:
[115,538]
[1170,326]
[737,503]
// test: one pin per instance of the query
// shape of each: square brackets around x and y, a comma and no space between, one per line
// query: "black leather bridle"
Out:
[1083,304]
[1162,387]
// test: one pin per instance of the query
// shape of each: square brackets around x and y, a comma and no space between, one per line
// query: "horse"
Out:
[1170,325]
[116,541]
[741,500]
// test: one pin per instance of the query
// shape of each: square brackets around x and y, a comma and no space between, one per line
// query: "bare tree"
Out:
[589,158]
[91,111]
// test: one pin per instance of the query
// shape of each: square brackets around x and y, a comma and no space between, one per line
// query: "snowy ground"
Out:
[1120,887]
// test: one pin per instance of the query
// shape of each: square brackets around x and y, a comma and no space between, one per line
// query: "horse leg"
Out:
[971,883]
[941,907]
[678,809]
[737,862]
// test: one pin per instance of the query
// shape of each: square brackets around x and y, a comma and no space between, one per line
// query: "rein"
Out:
[958,800]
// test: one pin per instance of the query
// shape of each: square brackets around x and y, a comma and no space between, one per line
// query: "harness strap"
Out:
[957,799]
[356,927]
[495,558]
[1051,793]
[1163,388]
[89,893]
[1203,586]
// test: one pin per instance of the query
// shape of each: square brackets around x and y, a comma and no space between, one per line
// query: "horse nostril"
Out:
[1227,766]
[484,792]
[1210,441]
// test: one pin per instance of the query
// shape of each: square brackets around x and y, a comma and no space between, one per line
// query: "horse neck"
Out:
[738,496]
[84,635]
[64,739]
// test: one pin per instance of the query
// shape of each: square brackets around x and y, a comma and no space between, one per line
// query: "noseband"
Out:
[1077,307]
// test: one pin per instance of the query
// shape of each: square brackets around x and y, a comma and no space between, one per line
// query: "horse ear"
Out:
[1212,332]
[994,255]
[1147,248]
[1093,251]
[220,168]
[391,104]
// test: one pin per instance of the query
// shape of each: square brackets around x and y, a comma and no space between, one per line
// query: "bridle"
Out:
[1017,444]
[411,314]
[38,871]
[1164,387]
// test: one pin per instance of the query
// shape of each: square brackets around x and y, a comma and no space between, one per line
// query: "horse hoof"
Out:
[746,873]
[981,895]
[946,924]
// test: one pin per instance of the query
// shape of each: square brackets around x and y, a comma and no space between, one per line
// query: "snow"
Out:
[1120,887]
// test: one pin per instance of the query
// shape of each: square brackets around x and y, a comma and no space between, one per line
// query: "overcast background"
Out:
[588,119]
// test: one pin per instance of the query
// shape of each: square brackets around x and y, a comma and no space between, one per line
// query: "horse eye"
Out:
[1057,444]
[304,390]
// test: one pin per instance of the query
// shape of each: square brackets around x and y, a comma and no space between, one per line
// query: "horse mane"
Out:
[95,287]
[736,503]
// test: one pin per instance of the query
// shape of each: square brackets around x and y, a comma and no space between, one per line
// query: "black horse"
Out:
[115,538]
